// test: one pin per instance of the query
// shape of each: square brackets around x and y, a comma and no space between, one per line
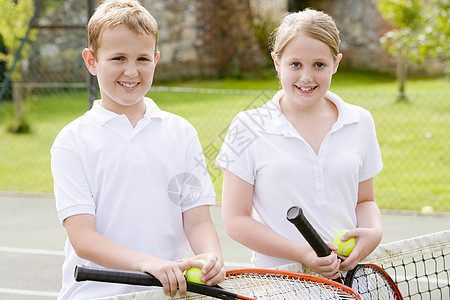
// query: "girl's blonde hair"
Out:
[112,13]
[316,24]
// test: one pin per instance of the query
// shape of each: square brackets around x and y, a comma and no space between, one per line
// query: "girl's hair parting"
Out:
[316,24]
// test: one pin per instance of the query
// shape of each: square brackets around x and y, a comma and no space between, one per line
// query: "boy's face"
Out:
[124,66]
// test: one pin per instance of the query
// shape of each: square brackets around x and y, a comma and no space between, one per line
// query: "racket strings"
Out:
[370,284]
[276,286]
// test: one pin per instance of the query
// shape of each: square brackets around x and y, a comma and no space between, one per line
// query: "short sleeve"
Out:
[237,153]
[72,193]
[372,163]
[195,185]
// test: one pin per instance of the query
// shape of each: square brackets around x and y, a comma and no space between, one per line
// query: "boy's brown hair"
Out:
[112,13]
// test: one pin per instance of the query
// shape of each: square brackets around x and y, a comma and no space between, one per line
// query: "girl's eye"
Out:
[118,58]
[143,59]
[295,64]
[320,65]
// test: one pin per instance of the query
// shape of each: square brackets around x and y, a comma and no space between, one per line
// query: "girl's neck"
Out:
[313,122]
[316,109]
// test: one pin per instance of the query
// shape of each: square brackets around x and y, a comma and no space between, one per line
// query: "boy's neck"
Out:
[133,112]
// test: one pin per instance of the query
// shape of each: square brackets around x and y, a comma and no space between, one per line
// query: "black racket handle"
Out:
[83,273]
[295,216]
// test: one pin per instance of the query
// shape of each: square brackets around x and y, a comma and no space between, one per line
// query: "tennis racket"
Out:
[369,280]
[253,283]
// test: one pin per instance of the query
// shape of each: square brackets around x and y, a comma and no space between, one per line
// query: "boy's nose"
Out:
[131,71]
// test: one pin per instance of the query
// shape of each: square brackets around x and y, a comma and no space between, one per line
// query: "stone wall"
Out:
[204,38]
[55,54]
[361,26]
[213,38]
[177,37]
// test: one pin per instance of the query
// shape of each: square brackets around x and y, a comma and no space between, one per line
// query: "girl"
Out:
[305,147]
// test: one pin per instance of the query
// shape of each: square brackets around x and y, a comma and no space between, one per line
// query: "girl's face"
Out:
[305,69]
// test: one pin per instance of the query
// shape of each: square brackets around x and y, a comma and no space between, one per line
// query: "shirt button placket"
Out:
[320,173]
[132,151]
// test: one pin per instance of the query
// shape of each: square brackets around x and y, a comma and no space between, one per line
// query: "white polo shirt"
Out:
[137,182]
[264,149]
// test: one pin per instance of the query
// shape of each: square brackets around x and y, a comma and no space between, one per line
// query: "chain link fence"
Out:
[414,136]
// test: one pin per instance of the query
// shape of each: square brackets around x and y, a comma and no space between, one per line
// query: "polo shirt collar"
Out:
[102,116]
[347,113]
[275,122]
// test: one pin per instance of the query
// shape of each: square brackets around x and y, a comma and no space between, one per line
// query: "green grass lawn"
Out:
[414,136]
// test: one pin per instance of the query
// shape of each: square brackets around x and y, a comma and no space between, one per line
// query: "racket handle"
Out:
[295,216]
[83,273]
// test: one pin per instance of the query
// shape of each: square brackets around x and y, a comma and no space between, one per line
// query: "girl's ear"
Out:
[89,60]
[336,65]
[275,61]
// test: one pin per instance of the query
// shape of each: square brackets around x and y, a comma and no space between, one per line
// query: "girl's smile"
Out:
[305,69]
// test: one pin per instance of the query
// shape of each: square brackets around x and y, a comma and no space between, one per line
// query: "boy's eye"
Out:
[143,59]
[118,58]
[295,64]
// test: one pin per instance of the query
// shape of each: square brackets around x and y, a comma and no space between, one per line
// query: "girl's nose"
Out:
[305,75]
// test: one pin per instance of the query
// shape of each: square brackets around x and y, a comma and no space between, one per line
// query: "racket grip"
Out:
[83,273]
[295,216]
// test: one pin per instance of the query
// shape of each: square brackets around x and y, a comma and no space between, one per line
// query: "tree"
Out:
[421,30]
[7,93]
[15,25]
[15,16]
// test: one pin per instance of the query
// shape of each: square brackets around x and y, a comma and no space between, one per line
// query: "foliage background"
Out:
[414,135]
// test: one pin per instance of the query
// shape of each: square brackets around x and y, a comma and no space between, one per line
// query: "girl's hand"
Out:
[327,266]
[367,239]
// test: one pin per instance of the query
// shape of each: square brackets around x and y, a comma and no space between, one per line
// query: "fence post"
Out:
[19,123]
[18,97]
[402,69]
[92,82]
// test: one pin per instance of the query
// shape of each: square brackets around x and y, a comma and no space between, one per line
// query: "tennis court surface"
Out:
[32,242]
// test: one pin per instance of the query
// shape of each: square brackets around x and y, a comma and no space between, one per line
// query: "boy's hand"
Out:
[170,274]
[327,266]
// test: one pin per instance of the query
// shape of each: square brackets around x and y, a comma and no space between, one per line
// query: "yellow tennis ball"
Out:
[345,248]
[194,274]
[427,209]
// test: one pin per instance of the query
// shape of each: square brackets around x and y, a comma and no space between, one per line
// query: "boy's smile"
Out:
[128,84]
[124,67]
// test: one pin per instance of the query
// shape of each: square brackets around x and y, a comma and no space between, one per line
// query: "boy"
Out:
[128,186]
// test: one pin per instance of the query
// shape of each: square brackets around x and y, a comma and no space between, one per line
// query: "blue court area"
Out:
[32,242]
